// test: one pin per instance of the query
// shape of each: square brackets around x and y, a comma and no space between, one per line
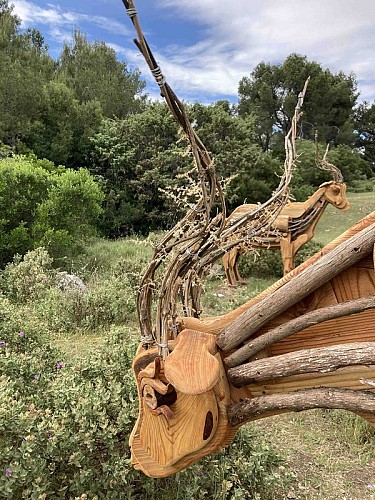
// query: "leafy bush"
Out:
[44,205]
[362,185]
[65,429]
[27,278]
[33,285]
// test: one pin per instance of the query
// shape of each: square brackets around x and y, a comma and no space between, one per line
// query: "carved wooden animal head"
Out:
[335,194]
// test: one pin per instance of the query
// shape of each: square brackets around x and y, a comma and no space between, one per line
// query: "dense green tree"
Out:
[271,91]
[62,133]
[144,163]
[44,205]
[231,139]
[137,158]
[93,72]
[24,68]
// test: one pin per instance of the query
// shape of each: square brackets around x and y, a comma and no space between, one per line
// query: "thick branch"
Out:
[343,399]
[309,319]
[328,266]
[322,359]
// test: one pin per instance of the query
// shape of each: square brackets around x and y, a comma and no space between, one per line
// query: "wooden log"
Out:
[309,319]
[322,359]
[308,399]
[314,276]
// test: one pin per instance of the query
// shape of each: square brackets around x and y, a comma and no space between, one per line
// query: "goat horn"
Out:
[323,164]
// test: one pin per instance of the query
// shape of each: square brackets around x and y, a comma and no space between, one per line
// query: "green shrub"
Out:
[65,430]
[41,205]
[362,185]
[69,213]
[26,278]
[105,302]
[33,285]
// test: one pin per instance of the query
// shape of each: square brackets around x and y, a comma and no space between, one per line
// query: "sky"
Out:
[205,47]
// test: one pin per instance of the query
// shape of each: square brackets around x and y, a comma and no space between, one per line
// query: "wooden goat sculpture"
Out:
[295,225]
[308,341]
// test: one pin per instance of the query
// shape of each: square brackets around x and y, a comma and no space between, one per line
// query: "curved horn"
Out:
[323,164]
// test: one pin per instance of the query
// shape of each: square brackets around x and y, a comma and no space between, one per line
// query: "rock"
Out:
[70,282]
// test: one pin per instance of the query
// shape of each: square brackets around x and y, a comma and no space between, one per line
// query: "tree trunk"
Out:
[307,399]
[322,359]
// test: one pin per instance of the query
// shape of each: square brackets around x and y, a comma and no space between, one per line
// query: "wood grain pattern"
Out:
[192,367]
[304,321]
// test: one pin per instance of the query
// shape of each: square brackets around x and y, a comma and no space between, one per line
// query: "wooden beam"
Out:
[321,359]
[340,258]
[297,324]
[331,398]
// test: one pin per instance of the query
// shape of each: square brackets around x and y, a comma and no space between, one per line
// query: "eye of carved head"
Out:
[335,190]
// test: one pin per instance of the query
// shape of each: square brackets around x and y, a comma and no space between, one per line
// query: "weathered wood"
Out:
[324,269]
[331,398]
[322,359]
[312,318]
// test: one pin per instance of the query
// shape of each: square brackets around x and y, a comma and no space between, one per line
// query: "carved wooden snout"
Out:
[192,367]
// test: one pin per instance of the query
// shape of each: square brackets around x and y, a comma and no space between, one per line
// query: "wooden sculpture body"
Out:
[186,401]
[294,227]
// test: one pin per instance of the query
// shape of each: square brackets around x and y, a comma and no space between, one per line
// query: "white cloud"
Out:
[55,18]
[339,34]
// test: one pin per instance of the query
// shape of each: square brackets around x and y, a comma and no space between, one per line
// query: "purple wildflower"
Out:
[2,343]
[21,334]
[8,472]
[59,365]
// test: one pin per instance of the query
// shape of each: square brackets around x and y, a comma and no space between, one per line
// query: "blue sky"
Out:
[205,47]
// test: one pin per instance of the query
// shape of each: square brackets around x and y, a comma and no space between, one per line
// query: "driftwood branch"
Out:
[309,319]
[340,258]
[322,359]
[308,399]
